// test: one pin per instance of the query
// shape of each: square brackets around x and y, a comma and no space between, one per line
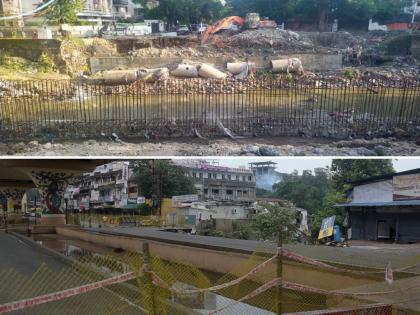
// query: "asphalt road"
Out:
[23,257]
[374,255]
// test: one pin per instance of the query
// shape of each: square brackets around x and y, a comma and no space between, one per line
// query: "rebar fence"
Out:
[142,283]
[320,106]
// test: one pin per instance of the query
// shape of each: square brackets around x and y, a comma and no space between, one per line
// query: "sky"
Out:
[288,165]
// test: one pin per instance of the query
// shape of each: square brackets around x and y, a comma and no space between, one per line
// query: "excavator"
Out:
[252,21]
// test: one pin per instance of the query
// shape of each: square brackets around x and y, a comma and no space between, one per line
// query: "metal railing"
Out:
[327,107]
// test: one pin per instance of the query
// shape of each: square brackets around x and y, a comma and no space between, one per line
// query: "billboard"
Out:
[327,227]
[406,187]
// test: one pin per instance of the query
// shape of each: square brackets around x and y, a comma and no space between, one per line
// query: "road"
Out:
[24,258]
[370,254]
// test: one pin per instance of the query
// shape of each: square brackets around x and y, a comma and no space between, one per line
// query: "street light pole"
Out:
[280,272]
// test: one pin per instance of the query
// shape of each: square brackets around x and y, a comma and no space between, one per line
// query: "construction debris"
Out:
[185,71]
[291,65]
[209,72]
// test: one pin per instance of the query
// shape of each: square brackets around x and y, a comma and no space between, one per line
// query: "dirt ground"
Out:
[279,146]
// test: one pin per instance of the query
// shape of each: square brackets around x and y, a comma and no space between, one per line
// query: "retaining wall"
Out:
[311,62]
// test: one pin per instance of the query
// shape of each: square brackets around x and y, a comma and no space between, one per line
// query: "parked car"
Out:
[183,30]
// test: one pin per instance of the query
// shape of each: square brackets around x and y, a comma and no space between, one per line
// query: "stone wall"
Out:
[311,62]
[30,49]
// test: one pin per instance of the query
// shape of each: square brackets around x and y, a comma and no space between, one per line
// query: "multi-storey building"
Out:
[219,183]
[108,186]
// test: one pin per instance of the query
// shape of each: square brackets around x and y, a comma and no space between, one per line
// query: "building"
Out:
[219,183]
[266,174]
[11,8]
[108,186]
[385,208]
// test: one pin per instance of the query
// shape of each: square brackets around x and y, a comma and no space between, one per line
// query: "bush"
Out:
[46,63]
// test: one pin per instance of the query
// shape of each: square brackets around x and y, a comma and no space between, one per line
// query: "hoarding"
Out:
[327,227]
[406,187]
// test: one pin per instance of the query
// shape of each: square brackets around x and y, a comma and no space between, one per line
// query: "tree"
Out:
[277,218]
[162,179]
[187,11]
[346,171]
[64,11]
[306,191]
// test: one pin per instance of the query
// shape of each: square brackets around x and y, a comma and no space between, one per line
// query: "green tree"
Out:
[187,11]
[306,191]
[277,218]
[346,171]
[162,179]
[64,11]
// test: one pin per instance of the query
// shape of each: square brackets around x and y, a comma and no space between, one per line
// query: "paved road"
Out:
[24,258]
[373,255]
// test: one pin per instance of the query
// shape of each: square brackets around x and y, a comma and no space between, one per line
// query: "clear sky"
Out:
[288,165]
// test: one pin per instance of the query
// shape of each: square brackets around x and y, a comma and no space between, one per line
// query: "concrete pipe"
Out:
[153,75]
[237,67]
[292,65]
[185,71]
[209,72]
[116,77]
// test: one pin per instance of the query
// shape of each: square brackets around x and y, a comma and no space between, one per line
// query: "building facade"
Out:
[385,208]
[108,186]
[218,183]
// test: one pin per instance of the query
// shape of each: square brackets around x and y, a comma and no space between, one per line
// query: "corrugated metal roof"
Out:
[381,204]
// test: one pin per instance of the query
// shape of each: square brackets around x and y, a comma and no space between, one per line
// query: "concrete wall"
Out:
[311,62]
[219,261]
[29,48]
[374,192]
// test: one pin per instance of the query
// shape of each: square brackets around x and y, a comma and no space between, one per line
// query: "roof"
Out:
[381,204]
[268,163]
[384,177]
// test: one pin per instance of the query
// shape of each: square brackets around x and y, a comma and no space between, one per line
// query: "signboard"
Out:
[327,227]
[177,200]
[406,187]
[141,200]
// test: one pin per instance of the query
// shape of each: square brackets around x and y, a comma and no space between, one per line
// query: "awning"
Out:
[380,204]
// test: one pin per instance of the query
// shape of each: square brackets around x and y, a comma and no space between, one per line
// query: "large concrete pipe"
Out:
[153,75]
[237,67]
[209,72]
[185,71]
[115,77]
[291,65]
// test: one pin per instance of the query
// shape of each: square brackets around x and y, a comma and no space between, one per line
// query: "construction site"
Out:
[242,78]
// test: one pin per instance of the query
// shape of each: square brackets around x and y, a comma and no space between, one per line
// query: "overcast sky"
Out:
[288,165]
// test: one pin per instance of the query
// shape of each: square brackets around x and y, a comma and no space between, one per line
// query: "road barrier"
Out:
[319,106]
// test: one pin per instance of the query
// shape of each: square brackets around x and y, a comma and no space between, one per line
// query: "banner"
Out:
[327,227]
[406,187]
[178,200]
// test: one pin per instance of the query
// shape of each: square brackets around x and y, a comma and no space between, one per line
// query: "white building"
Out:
[266,174]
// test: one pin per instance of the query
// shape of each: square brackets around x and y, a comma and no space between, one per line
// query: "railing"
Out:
[327,107]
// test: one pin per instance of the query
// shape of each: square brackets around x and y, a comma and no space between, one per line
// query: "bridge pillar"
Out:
[52,185]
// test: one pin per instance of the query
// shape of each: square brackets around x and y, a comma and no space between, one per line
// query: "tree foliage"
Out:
[162,179]
[64,11]
[321,11]
[346,171]
[278,218]
[187,11]
[306,191]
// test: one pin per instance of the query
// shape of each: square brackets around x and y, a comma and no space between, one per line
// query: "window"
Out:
[215,191]
[194,175]
[206,191]
[245,192]
[229,192]
[244,178]
[229,177]
[250,178]
[215,176]
[201,175]
[223,176]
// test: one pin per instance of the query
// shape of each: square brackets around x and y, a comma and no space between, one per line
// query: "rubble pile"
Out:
[271,38]
[99,47]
